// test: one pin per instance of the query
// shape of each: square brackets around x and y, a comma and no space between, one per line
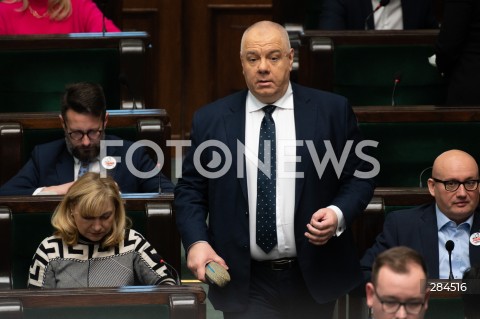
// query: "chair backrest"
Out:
[36,68]
[25,222]
[363,66]
[409,139]
[175,302]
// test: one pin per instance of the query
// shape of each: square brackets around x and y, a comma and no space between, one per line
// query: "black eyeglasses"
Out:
[392,306]
[78,135]
[453,185]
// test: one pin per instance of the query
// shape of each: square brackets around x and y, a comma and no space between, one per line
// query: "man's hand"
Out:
[199,255]
[322,226]
[57,189]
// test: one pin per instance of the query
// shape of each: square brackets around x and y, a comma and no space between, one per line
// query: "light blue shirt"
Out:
[460,235]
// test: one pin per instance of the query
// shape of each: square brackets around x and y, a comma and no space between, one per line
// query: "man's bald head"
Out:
[266,27]
[453,159]
[451,169]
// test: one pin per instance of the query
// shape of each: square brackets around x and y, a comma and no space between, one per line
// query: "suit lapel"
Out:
[113,151]
[367,9]
[64,167]
[235,131]
[429,238]
[409,7]
[305,123]
[474,251]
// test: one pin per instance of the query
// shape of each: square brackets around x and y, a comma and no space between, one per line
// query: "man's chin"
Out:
[85,155]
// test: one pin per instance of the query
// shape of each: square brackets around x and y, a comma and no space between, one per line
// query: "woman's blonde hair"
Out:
[89,195]
[57,9]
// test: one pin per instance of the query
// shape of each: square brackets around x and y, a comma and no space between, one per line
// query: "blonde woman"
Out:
[52,17]
[92,245]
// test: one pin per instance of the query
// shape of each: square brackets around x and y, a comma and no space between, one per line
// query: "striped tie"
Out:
[83,168]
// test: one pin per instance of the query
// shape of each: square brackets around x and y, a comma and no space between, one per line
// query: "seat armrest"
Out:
[6,242]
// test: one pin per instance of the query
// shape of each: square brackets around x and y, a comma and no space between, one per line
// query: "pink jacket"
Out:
[85,17]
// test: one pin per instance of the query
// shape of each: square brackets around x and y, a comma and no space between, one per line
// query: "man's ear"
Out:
[106,120]
[431,186]
[370,291]
[427,297]
[62,122]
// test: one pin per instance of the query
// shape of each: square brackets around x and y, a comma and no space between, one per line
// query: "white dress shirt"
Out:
[460,235]
[389,17]
[284,119]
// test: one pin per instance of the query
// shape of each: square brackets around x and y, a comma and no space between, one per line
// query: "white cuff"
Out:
[340,218]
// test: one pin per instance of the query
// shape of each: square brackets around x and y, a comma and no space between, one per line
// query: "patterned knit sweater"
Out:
[132,262]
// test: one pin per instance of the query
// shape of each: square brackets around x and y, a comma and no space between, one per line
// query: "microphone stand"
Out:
[104,29]
[421,174]
[450,276]
[396,79]
[449,246]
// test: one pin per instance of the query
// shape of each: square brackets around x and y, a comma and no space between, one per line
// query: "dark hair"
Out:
[471,297]
[397,259]
[84,98]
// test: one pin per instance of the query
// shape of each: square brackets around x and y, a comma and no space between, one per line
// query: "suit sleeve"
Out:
[144,163]
[191,195]
[454,33]
[26,181]
[354,192]
[333,15]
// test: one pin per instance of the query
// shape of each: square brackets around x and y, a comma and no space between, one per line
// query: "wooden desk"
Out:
[184,302]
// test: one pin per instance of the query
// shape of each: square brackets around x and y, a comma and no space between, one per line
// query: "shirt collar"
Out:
[443,220]
[78,162]
[253,104]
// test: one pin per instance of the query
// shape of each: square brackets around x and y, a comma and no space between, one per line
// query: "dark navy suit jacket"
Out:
[51,164]
[458,51]
[351,15]
[329,270]
[417,229]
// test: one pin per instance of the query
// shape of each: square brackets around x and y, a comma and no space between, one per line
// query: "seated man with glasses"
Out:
[54,166]
[398,288]
[453,216]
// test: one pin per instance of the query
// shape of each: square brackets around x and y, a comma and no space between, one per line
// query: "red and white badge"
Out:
[108,162]
[475,239]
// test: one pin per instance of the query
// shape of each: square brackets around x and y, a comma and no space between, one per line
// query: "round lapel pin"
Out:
[108,162]
[475,239]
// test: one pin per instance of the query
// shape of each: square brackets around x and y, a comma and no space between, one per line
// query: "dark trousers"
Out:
[280,294]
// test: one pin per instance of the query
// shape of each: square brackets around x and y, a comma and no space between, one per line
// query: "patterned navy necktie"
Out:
[83,168]
[266,233]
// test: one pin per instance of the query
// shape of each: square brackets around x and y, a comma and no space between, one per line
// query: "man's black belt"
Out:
[277,264]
